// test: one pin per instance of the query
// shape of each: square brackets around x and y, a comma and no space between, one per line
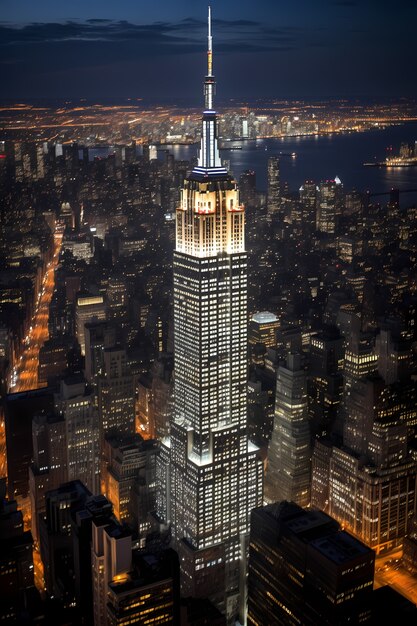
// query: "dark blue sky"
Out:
[155,48]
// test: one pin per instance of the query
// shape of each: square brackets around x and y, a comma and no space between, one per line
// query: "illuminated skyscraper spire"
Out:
[209,82]
[209,162]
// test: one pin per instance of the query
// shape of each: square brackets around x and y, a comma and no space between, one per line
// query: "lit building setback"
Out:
[209,472]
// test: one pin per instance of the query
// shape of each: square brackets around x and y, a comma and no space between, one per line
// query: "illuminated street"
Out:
[25,376]
[3,457]
[389,571]
[38,571]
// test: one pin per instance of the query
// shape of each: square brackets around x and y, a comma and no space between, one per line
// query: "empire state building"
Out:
[210,474]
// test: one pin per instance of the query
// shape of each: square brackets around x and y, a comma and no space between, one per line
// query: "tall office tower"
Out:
[117,299]
[354,203]
[116,396]
[349,249]
[19,410]
[162,395]
[328,205]
[371,481]
[56,539]
[98,336]
[360,359]
[88,309]
[304,570]
[273,199]
[16,561]
[308,199]
[394,353]
[149,594]
[76,403]
[215,476]
[99,510]
[247,186]
[129,474]
[54,358]
[320,470]
[361,405]
[111,560]
[49,464]
[262,334]
[325,384]
[288,472]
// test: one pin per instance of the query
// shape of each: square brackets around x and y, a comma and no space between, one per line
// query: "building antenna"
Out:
[210,46]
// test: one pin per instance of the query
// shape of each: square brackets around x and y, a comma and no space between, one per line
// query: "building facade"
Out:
[288,474]
[214,474]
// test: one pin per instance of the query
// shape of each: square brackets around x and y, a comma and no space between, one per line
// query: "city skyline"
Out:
[208,324]
[267,48]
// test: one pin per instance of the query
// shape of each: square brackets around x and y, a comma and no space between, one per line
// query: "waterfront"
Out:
[325,156]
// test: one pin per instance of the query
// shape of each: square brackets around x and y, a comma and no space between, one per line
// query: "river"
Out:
[322,157]
[326,156]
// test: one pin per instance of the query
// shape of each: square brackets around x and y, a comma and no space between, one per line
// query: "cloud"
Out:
[97,20]
[160,36]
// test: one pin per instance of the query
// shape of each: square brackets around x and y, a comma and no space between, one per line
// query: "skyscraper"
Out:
[328,205]
[288,476]
[76,403]
[303,569]
[215,476]
[273,197]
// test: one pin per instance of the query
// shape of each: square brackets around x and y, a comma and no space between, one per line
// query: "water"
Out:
[320,158]
[326,156]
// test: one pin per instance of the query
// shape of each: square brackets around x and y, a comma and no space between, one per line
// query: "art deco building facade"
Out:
[215,477]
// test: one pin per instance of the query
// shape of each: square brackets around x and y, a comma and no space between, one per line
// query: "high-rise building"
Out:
[116,395]
[325,383]
[98,336]
[370,483]
[215,476]
[111,560]
[76,403]
[149,594]
[308,199]
[162,394]
[130,471]
[19,409]
[288,472]
[88,309]
[273,192]
[97,510]
[49,466]
[328,205]
[57,548]
[16,561]
[54,358]
[394,353]
[304,570]
[263,328]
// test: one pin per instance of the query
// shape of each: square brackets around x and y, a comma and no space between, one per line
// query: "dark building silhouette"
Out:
[149,593]
[16,562]
[19,411]
[304,570]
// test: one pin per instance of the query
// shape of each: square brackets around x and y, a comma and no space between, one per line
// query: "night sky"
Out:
[155,49]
